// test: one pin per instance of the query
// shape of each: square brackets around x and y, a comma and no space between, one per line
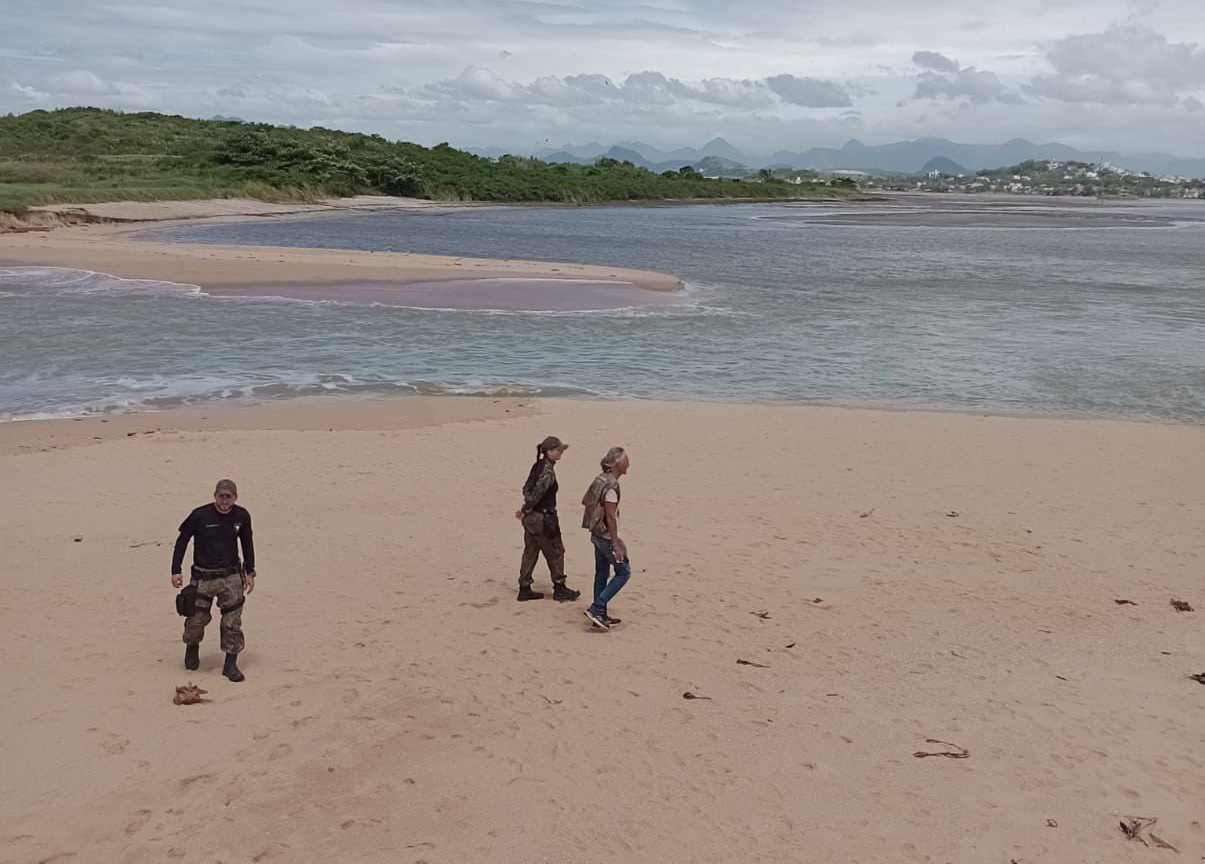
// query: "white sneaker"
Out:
[598,622]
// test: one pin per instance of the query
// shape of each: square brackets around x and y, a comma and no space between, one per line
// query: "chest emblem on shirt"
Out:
[237,525]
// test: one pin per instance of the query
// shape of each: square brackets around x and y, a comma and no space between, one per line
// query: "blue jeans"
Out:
[604,560]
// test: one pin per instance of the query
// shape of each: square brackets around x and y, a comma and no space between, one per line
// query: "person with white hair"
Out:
[601,519]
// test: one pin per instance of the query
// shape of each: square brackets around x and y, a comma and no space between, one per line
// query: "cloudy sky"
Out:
[765,74]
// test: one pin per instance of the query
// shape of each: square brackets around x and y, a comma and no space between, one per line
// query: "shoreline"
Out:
[50,217]
[357,412]
[334,401]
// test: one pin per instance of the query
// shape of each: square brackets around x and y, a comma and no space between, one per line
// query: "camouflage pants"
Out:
[228,591]
[536,539]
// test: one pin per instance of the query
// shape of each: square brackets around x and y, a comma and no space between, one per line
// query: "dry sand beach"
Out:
[890,577]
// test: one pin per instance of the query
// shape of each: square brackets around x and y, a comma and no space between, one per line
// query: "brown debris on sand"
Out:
[1120,602]
[957,753]
[1181,605]
[689,695]
[1200,679]
[1135,827]
[740,662]
[189,694]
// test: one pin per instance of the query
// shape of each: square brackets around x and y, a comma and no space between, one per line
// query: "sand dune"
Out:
[400,706]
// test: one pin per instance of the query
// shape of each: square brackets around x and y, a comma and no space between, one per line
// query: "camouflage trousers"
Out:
[228,591]
[539,536]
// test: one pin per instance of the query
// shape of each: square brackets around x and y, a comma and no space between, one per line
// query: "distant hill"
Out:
[88,155]
[900,157]
[943,165]
[718,166]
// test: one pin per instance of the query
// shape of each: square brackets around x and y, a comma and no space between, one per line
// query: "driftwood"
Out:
[956,753]
[1139,828]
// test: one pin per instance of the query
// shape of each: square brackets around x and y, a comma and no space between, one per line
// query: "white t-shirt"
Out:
[611,496]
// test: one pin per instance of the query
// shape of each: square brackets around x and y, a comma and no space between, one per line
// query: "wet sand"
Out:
[259,270]
[514,294]
[894,576]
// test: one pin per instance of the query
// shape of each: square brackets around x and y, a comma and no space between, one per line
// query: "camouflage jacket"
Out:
[594,516]
[539,492]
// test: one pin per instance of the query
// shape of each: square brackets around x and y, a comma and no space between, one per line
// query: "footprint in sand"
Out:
[116,744]
[272,850]
[279,752]
[135,824]
[188,781]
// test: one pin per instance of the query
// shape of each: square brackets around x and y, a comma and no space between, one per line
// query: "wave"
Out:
[61,281]
[33,282]
[139,396]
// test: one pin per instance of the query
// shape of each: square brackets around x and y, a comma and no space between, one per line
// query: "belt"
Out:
[215,572]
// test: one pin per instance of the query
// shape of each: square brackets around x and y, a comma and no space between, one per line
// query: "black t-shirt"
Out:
[215,538]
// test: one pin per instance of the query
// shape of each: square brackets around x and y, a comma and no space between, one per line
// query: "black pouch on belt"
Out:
[186,600]
[552,525]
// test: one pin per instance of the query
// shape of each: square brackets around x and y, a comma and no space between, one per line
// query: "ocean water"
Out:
[1094,309]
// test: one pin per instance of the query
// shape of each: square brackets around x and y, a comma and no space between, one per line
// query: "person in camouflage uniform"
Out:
[541,528]
[216,530]
[601,518]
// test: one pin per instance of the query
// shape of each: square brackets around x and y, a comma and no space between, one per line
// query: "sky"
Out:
[1125,75]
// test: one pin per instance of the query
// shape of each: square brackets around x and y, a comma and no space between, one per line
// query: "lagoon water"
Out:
[1088,309]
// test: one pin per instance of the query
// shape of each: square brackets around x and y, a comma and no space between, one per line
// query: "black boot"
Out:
[192,656]
[231,670]
[525,593]
[564,593]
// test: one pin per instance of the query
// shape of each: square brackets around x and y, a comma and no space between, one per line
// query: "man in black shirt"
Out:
[216,530]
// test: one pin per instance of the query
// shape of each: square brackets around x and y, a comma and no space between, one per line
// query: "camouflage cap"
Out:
[225,486]
[553,443]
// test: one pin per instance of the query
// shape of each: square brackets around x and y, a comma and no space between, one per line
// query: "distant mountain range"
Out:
[901,157]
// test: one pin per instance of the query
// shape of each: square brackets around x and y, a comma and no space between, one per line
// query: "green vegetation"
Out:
[87,155]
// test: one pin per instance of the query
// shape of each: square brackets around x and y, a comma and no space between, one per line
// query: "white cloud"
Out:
[763,73]
[944,78]
[81,82]
[810,92]
[646,89]
[27,94]
[934,61]
[1123,65]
